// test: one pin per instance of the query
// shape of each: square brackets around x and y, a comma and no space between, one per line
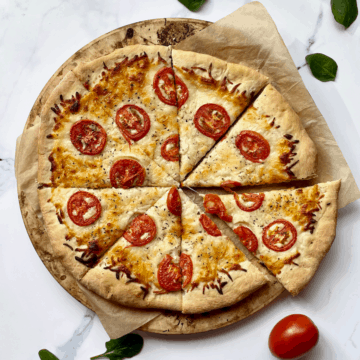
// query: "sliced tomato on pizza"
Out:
[216,273]
[83,223]
[290,231]
[79,144]
[267,145]
[136,86]
[211,95]
[143,268]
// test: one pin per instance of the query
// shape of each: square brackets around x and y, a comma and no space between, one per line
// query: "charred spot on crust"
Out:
[129,33]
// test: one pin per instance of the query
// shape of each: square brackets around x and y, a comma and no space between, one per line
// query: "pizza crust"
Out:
[296,279]
[273,118]
[92,71]
[193,144]
[69,86]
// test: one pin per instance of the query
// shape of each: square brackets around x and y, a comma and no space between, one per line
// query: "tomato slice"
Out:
[169,274]
[212,120]
[170,89]
[214,205]
[182,92]
[83,208]
[209,226]
[133,122]
[280,235]
[141,231]
[127,173]
[253,146]
[228,185]
[186,267]
[255,201]
[88,137]
[174,201]
[247,237]
[293,336]
[170,148]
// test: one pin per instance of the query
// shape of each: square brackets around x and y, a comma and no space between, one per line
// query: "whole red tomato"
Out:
[293,336]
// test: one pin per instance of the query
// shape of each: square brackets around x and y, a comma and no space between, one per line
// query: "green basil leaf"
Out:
[114,357]
[47,355]
[193,5]
[125,347]
[324,68]
[345,11]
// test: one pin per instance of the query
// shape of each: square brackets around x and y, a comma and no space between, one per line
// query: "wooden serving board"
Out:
[150,32]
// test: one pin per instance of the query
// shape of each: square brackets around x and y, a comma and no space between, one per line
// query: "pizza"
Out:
[84,223]
[290,231]
[212,94]
[142,268]
[217,274]
[109,110]
[120,134]
[267,145]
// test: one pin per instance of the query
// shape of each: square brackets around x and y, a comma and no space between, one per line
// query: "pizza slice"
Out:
[211,95]
[290,231]
[142,268]
[83,223]
[268,144]
[215,272]
[135,85]
[79,144]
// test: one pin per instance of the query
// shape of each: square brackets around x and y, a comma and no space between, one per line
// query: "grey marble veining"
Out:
[69,350]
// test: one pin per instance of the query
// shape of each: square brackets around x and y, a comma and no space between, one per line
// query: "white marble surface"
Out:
[36,37]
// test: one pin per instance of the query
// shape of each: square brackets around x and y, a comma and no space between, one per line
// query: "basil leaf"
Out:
[114,357]
[345,11]
[125,347]
[324,68]
[193,5]
[47,355]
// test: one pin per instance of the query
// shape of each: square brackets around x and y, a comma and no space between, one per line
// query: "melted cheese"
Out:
[289,205]
[143,261]
[210,255]
[118,207]
[73,169]
[91,212]
[225,161]
[274,264]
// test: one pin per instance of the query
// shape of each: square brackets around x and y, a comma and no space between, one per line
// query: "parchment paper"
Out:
[248,36]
